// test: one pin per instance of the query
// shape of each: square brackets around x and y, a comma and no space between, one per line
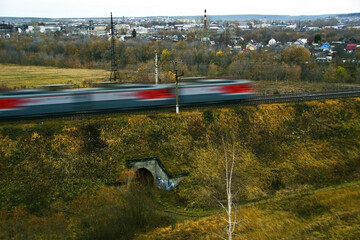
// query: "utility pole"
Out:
[156,69]
[114,75]
[177,87]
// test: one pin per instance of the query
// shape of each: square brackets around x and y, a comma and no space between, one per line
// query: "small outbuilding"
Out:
[325,47]
[351,47]
[272,42]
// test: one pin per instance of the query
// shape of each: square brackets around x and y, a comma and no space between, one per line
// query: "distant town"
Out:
[147,27]
[175,29]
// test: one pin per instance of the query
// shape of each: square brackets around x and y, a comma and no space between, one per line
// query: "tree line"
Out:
[195,57]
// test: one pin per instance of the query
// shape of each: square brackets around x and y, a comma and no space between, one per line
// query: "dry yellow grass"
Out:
[15,76]
[286,87]
[330,213]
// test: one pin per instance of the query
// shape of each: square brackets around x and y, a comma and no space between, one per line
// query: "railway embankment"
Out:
[58,170]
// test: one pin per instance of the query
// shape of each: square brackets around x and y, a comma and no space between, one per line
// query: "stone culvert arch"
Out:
[148,168]
[144,176]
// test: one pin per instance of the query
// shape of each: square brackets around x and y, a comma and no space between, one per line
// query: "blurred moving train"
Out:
[116,97]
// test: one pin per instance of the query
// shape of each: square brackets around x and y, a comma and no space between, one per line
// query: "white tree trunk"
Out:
[229,168]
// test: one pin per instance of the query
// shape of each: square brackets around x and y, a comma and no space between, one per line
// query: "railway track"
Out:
[306,96]
[285,98]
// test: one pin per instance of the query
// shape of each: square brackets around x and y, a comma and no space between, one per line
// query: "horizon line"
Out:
[284,15]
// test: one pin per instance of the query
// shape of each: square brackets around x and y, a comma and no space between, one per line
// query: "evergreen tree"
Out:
[317,38]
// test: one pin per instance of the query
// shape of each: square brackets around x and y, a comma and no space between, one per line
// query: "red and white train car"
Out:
[42,102]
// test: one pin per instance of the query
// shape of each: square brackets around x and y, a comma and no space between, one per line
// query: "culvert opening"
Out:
[144,177]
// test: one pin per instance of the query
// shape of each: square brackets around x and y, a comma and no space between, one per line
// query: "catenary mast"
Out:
[114,75]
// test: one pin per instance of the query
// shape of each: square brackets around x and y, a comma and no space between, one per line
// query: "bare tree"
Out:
[229,207]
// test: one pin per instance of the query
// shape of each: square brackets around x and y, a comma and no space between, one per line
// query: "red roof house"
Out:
[351,47]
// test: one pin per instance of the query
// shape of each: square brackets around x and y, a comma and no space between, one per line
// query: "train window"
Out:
[214,81]
[53,87]
[134,86]
[22,92]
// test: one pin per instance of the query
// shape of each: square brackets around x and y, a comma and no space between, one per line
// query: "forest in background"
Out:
[135,57]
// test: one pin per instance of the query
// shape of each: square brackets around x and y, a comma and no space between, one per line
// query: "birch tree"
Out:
[229,206]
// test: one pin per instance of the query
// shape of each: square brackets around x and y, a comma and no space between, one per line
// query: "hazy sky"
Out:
[140,8]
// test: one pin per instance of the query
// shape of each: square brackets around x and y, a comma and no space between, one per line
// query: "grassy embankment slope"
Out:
[58,170]
[55,173]
[329,213]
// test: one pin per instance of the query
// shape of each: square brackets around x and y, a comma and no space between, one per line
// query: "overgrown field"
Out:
[57,175]
[17,77]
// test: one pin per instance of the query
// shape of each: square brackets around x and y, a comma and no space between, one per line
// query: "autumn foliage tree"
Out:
[296,55]
[199,58]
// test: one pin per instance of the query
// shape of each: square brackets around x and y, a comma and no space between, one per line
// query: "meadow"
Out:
[16,77]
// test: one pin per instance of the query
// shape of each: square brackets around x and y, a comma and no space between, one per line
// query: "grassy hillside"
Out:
[56,174]
[330,213]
